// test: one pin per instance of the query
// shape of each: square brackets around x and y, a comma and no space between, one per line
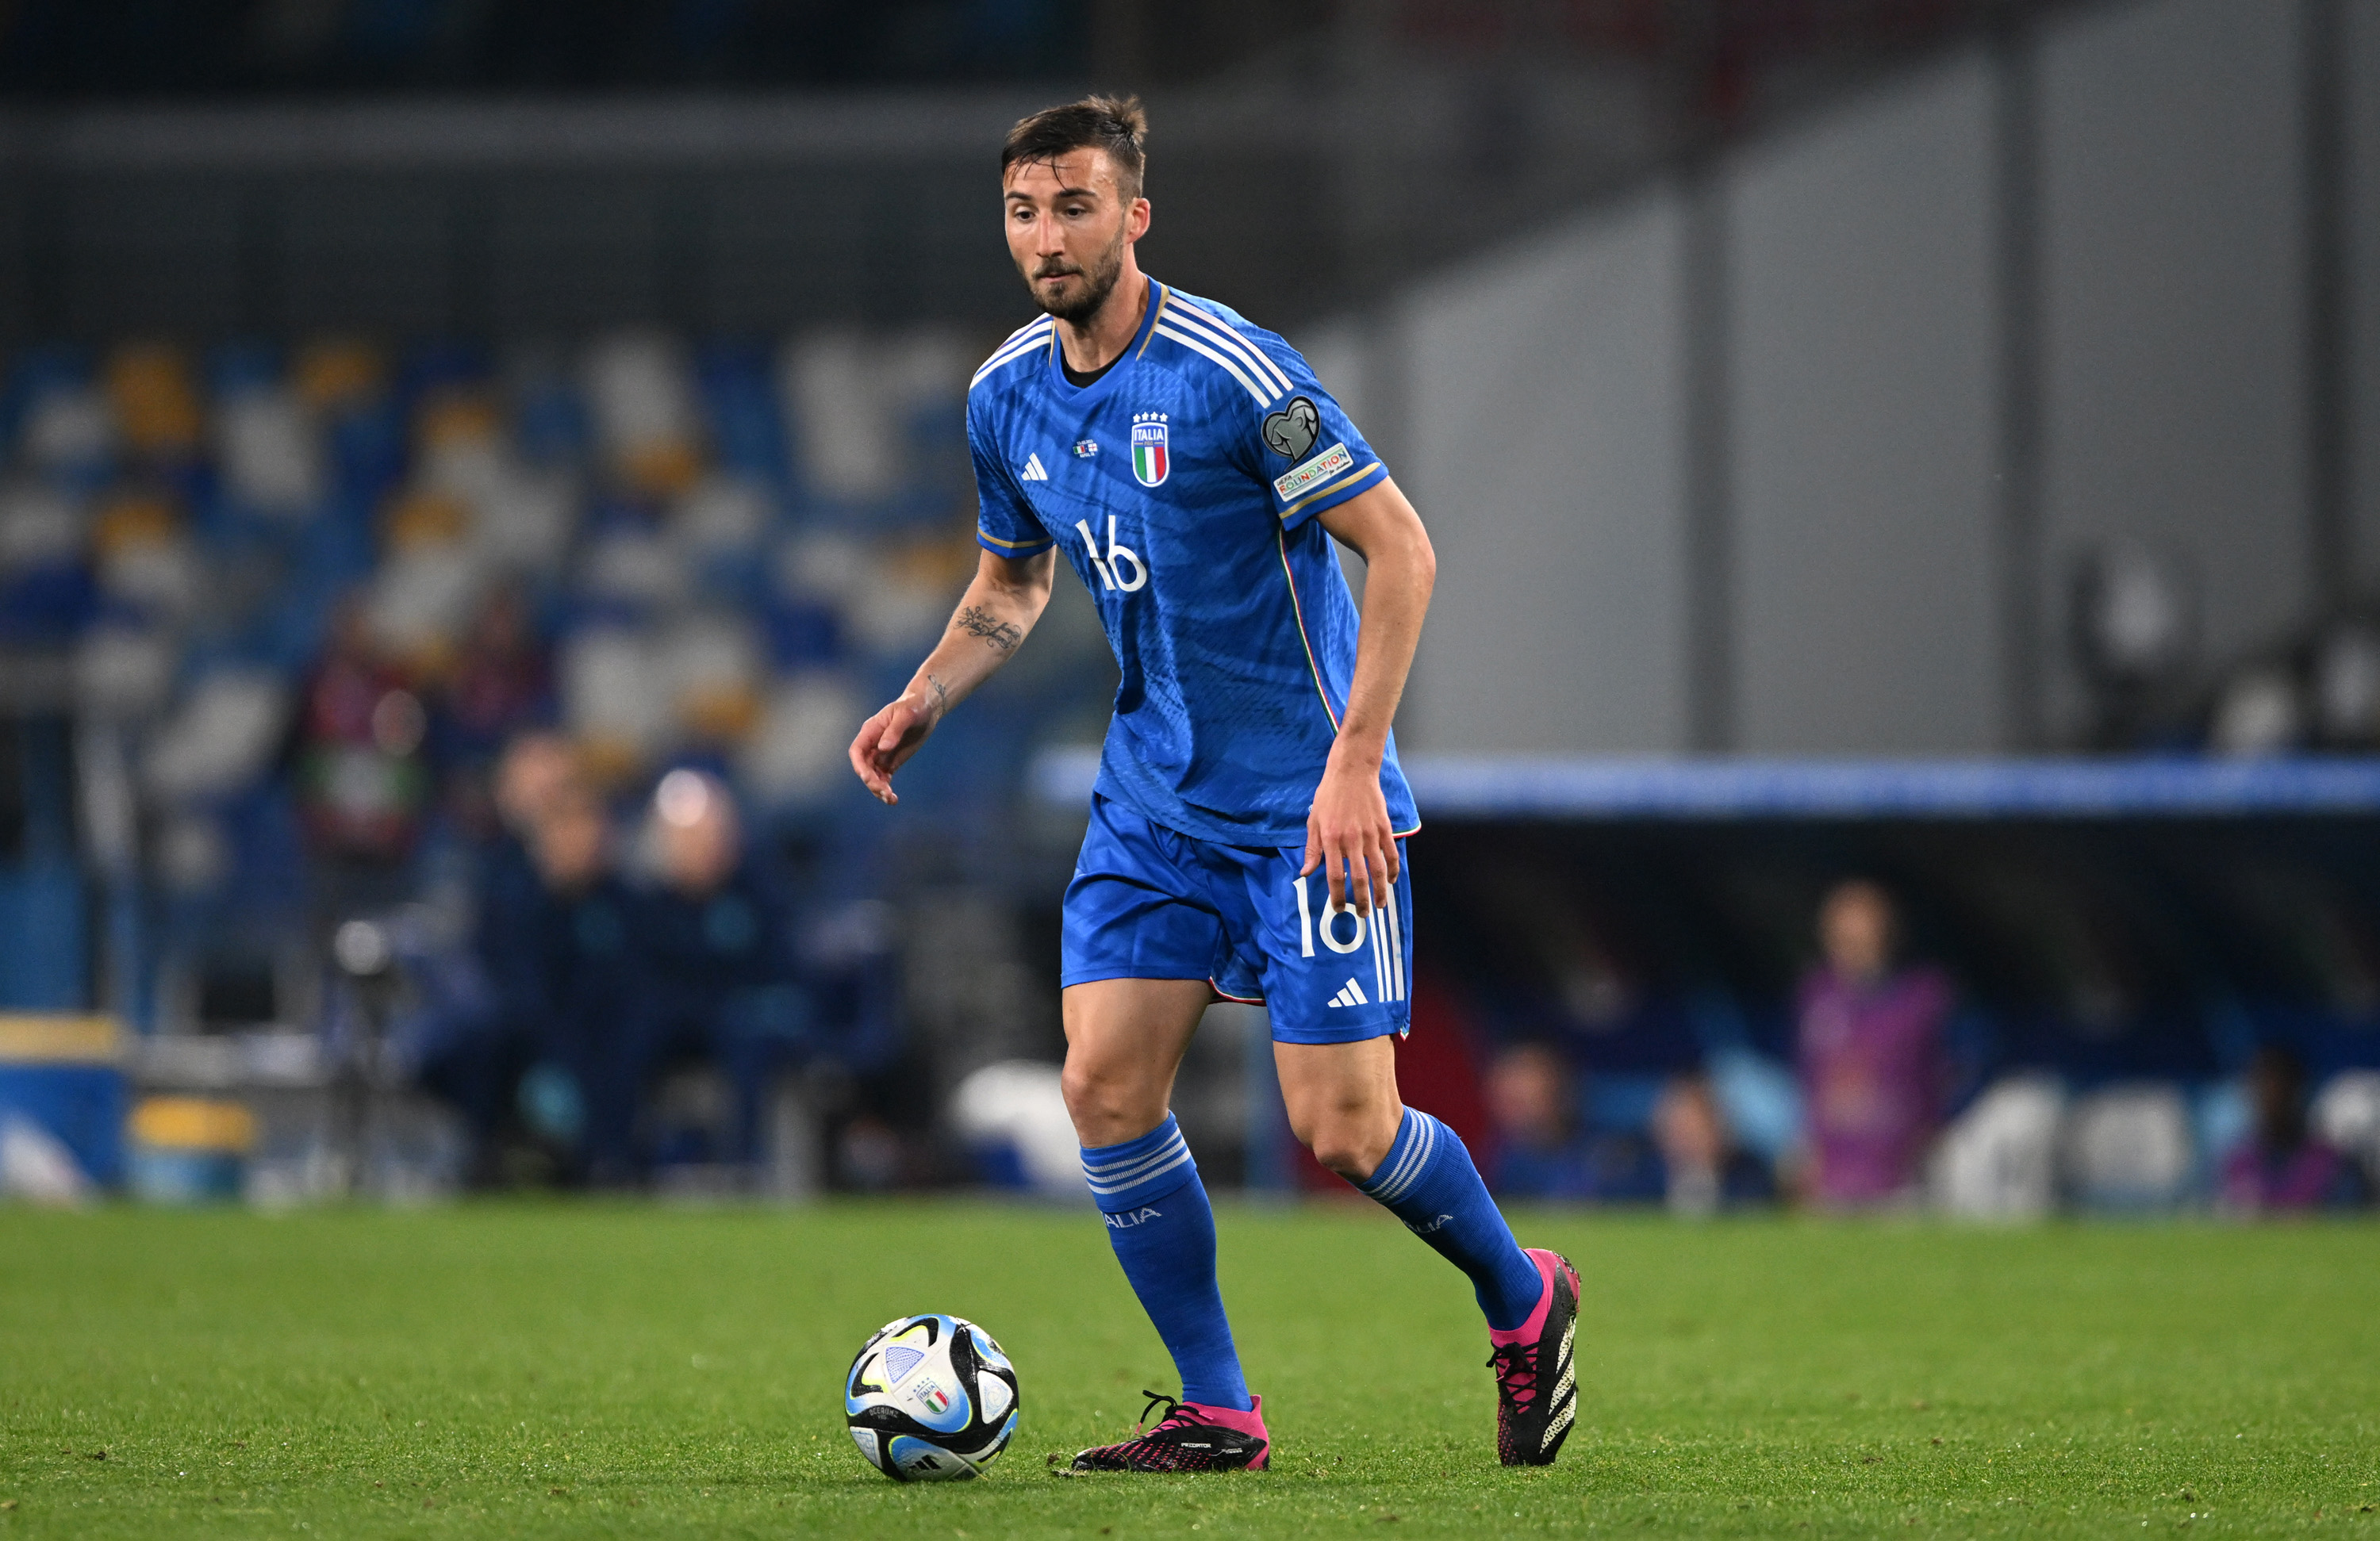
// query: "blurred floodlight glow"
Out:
[362,947]
[682,799]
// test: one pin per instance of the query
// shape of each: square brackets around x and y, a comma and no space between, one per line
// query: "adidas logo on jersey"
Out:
[1033,471]
[1350,994]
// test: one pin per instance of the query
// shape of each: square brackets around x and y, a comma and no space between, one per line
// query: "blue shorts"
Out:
[1147,902]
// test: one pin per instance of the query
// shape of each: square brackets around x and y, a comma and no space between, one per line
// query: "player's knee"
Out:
[1108,1108]
[1351,1144]
[1085,1093]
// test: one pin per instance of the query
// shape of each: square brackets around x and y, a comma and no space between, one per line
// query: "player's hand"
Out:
[888,740]
[1348,834]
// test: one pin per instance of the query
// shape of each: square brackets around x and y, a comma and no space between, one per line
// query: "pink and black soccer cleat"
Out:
[1192,1437]
[1536,1385]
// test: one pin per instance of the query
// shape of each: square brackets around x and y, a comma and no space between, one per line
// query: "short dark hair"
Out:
[1115,124]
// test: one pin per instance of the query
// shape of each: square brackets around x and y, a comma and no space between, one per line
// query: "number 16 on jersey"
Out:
[1112,569]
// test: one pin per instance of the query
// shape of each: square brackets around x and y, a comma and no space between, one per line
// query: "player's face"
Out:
[1067,229]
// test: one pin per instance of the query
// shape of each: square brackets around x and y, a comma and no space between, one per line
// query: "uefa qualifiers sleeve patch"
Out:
[1321,468]
[1291,432]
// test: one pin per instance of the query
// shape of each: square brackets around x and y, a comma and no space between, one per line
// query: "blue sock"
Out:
[1163,1232]
[1427,1180]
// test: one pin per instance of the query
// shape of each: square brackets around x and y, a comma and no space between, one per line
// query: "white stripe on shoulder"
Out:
[1264,398]
[1027,340]
[1033,328]
[1023,342]
[1038,323]
[1216,327]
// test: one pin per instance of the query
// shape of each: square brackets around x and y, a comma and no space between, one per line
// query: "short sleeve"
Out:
[1004,522]
[1310,455]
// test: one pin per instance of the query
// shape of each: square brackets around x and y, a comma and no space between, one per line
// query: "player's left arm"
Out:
[1348,832]
[993,620]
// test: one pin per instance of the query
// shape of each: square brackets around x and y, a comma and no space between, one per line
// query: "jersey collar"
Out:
[1085,395]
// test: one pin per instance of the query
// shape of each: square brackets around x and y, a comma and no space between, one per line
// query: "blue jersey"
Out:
[1182,485]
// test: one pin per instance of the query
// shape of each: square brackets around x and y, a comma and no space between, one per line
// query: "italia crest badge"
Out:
[1152,456]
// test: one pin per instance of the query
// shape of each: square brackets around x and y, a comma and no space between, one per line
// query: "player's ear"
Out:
[1136,220]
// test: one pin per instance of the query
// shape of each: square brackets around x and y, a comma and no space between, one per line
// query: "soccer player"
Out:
[1247,827]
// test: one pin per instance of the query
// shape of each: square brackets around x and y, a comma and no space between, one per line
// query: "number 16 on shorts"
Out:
[1344,931]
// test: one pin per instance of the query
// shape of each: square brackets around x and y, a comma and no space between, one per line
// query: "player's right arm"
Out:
[990,624]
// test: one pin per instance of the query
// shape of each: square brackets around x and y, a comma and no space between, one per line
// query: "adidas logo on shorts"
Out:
[1350,994]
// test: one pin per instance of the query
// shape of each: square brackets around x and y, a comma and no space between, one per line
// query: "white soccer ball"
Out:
[931,1399]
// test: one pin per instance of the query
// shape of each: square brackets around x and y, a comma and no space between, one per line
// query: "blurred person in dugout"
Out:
[359,770]
[1541,1148]
[2282,1167]
[581,1094]
[712,936]
[1703,1170]
[1872,1060]
[553,936]
[536,770]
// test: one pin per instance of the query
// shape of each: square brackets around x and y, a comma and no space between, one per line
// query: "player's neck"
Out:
[1100,341]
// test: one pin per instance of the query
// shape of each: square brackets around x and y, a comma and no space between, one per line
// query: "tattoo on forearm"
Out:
[1000,636]
[942,694]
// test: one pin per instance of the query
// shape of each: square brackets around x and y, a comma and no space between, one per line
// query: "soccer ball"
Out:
[931,1399]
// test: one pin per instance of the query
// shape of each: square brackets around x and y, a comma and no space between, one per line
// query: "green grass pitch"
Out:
[623,1370]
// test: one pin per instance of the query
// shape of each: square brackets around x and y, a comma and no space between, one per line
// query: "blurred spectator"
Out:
[553,941]
[580,990]
[713,936]
[536,768]
[502,684]
[472,1052]
[1704,1167]
[1541,1150]
[1872,1062]
[362,776]
[2282,1166]
[537,771]
[1528,1096]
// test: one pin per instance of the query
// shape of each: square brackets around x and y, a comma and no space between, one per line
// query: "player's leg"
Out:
[1124,1039]
[1343,1103]
[1139,943]
[1343,1106]
[1336,985]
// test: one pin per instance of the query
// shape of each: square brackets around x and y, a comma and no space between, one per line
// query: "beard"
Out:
[1098,281]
